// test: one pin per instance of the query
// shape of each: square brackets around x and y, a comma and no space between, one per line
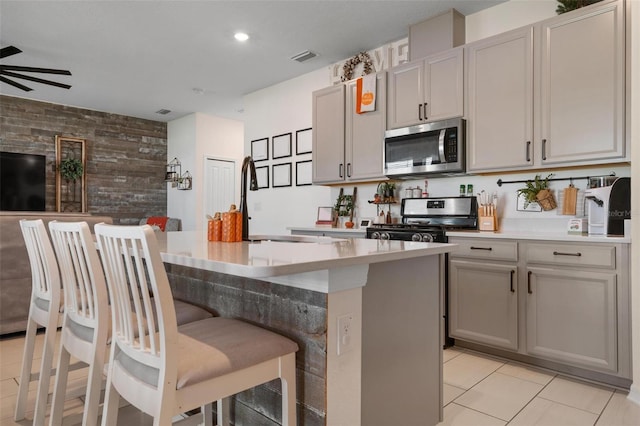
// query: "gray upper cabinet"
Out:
[549,94]
[500,101]
[582,81]
[347,146]
[328,134]
[365,134]
[426,90]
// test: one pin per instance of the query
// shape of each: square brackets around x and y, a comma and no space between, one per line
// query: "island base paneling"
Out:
[300,315]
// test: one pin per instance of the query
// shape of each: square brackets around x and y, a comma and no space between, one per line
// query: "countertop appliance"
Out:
[608,207]
[427,219]
[430,148]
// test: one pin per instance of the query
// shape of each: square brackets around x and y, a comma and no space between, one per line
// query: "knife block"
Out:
[488,223]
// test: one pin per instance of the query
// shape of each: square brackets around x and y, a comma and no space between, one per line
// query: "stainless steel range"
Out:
[428,219]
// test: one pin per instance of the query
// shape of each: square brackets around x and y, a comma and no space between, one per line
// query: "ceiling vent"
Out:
[163,111]
[304,56]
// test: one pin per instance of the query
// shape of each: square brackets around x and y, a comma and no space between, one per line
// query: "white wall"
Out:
[279,109]
[507,16]
[191,139]
[634,9]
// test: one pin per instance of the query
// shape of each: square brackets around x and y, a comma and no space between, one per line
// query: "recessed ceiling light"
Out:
[241,36]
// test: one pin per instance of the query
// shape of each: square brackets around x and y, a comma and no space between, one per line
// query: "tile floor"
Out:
[478,390]
[484,390]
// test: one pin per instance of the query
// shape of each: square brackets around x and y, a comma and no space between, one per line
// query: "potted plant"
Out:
[537,191]
[344,206]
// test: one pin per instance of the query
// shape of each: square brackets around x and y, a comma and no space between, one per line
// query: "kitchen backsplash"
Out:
[507,193]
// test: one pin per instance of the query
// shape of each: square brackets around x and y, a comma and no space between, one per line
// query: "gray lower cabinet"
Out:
[562,305]
[483,302]
[571,316]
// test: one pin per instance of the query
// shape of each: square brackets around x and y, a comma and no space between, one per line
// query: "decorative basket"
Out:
[546,200]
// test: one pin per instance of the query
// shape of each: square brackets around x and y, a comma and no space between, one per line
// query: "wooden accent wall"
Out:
[126,156]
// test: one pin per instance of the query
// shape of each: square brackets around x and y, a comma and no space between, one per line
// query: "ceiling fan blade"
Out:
[8,51]
[34,69]
[35,79]
[14,84]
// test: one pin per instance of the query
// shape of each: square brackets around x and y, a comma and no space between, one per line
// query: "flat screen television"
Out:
[23,182]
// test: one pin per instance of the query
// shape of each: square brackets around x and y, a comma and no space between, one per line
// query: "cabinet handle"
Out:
[340,170]
[558,253]
[420,112]
[528,151]
[348,169]
[511,282]
[424,108]
[481,248]
[529,282]
[544,149]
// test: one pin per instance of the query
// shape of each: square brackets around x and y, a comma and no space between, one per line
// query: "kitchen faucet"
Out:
[253,186]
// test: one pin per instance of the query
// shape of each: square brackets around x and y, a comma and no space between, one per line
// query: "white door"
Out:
[220,185]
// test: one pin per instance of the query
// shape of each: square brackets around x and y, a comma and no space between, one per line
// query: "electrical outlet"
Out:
[344,333]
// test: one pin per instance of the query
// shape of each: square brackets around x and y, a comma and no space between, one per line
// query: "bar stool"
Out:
[85,327]
[44,312]
[181,368]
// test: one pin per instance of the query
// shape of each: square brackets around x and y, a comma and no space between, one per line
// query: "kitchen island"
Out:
[383,298]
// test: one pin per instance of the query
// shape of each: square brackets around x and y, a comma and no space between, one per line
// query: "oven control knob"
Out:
[384,236]
[416,237]
[427,238]
[375,235]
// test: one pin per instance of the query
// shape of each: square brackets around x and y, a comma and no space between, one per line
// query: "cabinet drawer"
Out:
[479,248]
[598,256]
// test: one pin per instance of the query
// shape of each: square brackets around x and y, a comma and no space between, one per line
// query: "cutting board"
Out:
[570,199]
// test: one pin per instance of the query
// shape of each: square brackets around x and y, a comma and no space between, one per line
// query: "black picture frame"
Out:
[260,149]
[303,141]
[281,146]
[262,175]
[303,173]
[281,175]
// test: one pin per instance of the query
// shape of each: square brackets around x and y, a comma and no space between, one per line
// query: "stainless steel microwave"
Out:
[430,148]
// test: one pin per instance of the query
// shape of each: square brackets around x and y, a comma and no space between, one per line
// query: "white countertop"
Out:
[291,255]
[541,235]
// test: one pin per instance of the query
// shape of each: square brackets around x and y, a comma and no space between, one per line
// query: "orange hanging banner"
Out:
[366,94]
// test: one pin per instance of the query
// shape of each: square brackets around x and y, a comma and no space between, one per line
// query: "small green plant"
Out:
[530,191]
[569,5]
[71,169]
[344,205]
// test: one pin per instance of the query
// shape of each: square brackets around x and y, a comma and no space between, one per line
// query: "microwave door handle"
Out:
[441,145]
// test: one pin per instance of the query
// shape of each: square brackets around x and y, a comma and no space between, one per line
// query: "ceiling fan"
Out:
[8,71]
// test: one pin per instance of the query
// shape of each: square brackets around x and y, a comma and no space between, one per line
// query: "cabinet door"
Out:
[443,74]
[328,135]
[406,95]
[483,303]
[582,69]
[571,317]
[500,101]
[365,134]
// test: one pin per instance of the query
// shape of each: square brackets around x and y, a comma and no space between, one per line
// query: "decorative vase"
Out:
[546,199]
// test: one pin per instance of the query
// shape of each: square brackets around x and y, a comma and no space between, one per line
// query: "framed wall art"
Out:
[262,174]
[281,146]
[303,173]
[281,175]
[303,141]
[260,149]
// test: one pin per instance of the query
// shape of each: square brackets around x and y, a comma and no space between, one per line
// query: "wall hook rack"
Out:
[571,178]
